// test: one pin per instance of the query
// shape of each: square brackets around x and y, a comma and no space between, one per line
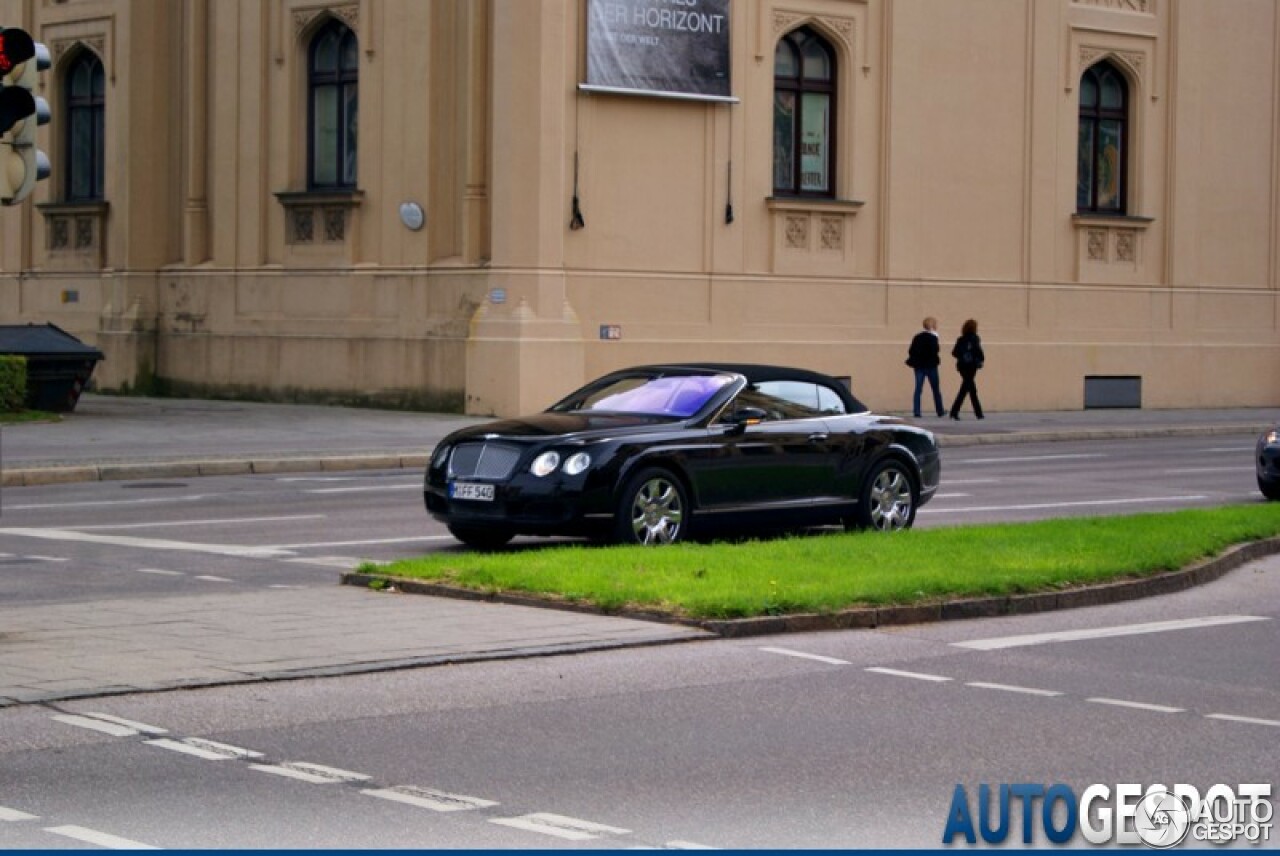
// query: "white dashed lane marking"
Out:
[12,815]
[316,774]
[207,750]
[1137,705]
[1008,688]
[1247,720]
[429,798]
[787,652]
[100,839]
[559,826]
[898,673]
[107,724]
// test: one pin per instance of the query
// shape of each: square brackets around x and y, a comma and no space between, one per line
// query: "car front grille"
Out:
[483,460]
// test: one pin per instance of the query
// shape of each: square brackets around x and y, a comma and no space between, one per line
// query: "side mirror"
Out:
[740,418]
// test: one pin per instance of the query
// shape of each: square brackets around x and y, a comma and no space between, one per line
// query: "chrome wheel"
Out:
[888,501]
[656,509]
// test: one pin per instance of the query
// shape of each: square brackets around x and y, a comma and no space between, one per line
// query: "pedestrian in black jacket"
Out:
[969,359]
[924,357]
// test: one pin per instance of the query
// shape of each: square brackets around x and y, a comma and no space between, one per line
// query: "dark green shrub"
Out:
[13,382]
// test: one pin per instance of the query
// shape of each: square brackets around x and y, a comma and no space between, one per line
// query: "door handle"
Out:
[818,438]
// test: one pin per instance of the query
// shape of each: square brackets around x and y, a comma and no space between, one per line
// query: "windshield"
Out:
[679,396]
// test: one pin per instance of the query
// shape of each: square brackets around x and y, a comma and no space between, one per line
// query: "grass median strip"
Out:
[832,572]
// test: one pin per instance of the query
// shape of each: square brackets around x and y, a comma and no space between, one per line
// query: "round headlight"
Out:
[545,464]
[577,463]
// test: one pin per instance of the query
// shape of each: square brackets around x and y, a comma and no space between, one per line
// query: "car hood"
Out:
[570,426]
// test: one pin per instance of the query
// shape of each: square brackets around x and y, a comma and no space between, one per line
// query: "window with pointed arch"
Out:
[84,153]
[333,101]
[804,105]
[1102,166]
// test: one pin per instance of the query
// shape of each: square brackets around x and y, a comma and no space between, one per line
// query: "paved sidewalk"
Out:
[79,650]
[106,647]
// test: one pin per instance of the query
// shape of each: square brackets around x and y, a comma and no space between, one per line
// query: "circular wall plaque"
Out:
[411,215]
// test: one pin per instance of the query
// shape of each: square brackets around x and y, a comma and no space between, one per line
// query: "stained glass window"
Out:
[1101,167]
[803,115]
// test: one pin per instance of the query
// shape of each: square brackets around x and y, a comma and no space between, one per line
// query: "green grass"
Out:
[20,416]
[827,573]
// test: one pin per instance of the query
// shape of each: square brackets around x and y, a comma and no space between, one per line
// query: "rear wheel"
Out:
[482,538]
[888,500]
[652,509]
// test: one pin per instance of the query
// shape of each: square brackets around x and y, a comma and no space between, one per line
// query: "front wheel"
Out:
[1270,489]
[482,537]
[652,509]
[888,499]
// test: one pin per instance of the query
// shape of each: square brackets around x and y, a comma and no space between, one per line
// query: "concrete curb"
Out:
[194,468]
[27,477]
[883,616]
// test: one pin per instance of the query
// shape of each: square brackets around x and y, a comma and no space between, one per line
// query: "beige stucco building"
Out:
[211,262]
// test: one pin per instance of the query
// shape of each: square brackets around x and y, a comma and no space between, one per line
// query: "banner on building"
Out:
[671,48]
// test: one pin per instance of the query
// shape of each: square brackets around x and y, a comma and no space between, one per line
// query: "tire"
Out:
[888,499]
[653,508]
[1270,489]
[482,538]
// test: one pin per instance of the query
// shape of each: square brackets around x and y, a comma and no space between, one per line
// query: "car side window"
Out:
[781,400]
[812,399]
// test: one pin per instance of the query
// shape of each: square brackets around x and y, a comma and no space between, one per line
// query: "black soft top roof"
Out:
[757,374]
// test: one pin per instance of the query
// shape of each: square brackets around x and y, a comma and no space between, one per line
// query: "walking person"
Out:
[924,356]
[969,359]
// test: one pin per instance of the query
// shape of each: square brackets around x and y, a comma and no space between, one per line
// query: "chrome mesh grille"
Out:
[483,460]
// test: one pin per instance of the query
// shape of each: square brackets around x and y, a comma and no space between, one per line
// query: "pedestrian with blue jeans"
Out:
[924,357]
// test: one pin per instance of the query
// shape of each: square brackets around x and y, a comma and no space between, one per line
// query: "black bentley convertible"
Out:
[654,454]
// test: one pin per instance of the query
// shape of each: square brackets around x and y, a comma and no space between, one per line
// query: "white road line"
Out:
[1002,642]
[1137,705]
[687,845]
[1190,470]
[47,558]
[212,522]
[1010,688]
[568,828]
[101,839]
[209,578]
[1222,450]
[787,652]
[150,543]
[161,572]
[1039,506]
[107,502]
[366,489]
[112,728]
[429,798]
[140,727]
[364,542]
[316,774]
[12,815]
[1030,458]
[206,750]
[953,482]
[344,563]
[952,495]
[1248,720]
[898,673]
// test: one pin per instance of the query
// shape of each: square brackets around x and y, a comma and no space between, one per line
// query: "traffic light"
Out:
[21,112]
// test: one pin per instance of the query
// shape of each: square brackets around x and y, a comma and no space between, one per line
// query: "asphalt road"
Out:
[852,739]
[848,739]
[163,537]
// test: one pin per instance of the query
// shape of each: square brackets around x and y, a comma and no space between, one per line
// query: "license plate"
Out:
[467,490]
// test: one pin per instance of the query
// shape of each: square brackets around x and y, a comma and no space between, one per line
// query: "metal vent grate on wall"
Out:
[1101,391]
